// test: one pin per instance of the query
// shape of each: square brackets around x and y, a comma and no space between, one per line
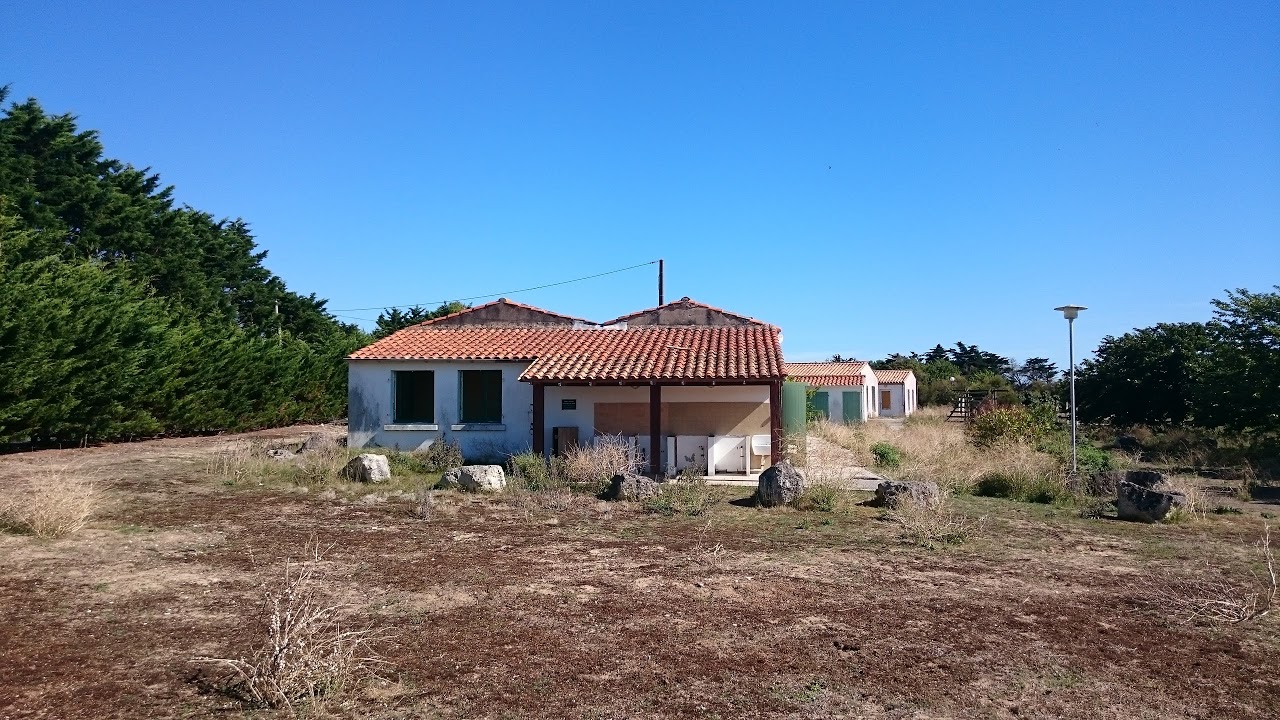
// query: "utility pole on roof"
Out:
[660,263]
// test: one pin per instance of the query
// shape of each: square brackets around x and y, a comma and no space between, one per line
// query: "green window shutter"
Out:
[415,396]
[481,396]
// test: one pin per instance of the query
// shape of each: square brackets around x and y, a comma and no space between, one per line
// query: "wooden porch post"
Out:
[655,431]
[539,419]
[775,422]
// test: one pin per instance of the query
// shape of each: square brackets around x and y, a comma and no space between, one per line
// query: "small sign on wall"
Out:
[568,404]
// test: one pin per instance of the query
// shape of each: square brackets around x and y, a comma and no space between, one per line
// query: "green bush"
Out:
[1008,424]
[690,498]
[822,498]
[886,455]
[1016,486]
[403,463]
[1089,458]
[439,456]
[532,472]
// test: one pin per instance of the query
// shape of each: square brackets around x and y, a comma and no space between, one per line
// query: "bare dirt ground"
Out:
[502,608]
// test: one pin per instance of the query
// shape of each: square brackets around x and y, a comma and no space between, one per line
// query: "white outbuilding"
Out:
[845,392]
[897,392]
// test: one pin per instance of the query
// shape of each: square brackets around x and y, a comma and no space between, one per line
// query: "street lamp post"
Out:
[1071,312]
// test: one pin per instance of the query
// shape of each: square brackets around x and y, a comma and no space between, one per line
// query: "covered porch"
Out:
[728,429]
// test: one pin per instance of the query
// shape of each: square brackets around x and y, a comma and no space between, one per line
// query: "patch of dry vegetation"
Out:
[933,450]
[53,503]
[591,466]
[1211,595]
[307,655]
[931,523]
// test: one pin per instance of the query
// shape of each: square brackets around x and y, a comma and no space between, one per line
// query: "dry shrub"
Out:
[931,523]
[52,504]
[424,505]
[317,467]
[1214,597]
[238,462]
[592,466]
[308,654]
[1197,505]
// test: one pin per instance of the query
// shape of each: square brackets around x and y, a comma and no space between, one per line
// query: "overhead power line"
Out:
[496,294]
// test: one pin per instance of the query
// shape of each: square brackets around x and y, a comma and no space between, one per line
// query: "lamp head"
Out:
[1071,312]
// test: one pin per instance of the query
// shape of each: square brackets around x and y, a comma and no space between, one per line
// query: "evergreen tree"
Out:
[122,314]
[393,319]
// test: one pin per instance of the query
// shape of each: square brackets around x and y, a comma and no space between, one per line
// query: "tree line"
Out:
[942,373]
[1221,374]
[123,313]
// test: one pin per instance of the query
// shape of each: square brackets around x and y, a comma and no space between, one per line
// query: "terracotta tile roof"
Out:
[893,377]
[828,373]
[593,354]
[686,302]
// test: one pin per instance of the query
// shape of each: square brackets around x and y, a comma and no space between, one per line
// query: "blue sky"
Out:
[871,177]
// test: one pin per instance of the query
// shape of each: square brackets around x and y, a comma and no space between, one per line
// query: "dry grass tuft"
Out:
[1197,505]
[933,523]
[53,504]
[307,654]
[592,466]
[1213,597]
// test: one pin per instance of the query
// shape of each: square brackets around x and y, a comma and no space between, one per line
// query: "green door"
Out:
[794,408]
[818,406]
[852,402]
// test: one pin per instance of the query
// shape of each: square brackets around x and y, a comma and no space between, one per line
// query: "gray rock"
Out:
[1128,443]
[368,467]
[280,454]
[892,493]
[449,479]
[630,486]
[1146,503]
[1104,484]
[475,478]
[779,485]
[319,441]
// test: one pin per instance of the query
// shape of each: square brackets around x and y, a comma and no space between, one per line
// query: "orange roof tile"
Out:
[593,354]
[828,373]
[893,377]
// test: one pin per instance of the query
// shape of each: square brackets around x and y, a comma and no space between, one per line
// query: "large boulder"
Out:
[368,467]
[1105,484]
[475,478]
[630,486]
[893,493]
[781,484]
[1145,499]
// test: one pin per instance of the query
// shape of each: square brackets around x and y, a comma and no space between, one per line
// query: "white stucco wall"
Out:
[895,406]
[904,401]
[835,400]
[370,393]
